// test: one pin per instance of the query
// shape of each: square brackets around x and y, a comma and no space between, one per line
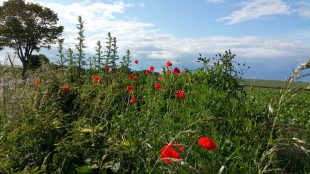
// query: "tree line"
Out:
[27,27]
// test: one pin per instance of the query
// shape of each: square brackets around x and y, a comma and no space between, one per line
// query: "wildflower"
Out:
[147,72]
[176,71]
[157,86]
[96,78]
[37,81]
[66,88]
[180,94]
[206,143]
[152,68]
[168,151]
[168,64]
[132,77]
[129,89]
[136,61]
[107,68]
[133,100]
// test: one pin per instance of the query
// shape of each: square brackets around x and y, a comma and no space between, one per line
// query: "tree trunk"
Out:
[25,67]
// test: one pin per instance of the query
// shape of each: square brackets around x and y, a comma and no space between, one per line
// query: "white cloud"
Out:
[145,41]
[254,9]
[215,1]
[304,10]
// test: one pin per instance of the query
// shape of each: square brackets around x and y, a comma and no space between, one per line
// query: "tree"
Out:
[125,63]
[71,63]
[98,57]
[36,61]
[114,57]
[61,53]
[80,46]
[109,50]
[26,27]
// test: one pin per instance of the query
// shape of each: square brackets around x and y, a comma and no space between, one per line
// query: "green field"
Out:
[274,83]
[93,126]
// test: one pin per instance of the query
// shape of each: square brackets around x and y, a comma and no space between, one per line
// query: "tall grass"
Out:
[94,128]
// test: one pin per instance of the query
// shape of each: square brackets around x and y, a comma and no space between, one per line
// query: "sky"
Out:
[270,36]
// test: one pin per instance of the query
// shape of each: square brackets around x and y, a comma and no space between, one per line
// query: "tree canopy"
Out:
[26,27]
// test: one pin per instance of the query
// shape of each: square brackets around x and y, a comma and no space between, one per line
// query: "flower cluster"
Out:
[174,150]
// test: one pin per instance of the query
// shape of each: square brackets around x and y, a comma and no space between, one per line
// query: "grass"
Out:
[274,83]
[94,128]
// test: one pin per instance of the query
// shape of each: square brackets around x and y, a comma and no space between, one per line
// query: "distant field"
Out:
[274,83]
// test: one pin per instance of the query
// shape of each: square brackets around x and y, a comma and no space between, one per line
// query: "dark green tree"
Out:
[36,61]
[26,27]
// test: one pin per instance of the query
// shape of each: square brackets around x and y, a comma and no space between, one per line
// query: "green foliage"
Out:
[26,27]
[37,61]
[80,55]
[61,54]
[108,51]
[94,128]
[114,54]
[98,58]
[221,73]
[125,63]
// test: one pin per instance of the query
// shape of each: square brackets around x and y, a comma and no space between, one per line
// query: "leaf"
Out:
[84,169]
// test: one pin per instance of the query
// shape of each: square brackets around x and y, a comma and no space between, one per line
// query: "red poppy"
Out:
[129,89]
[168,63]
[107,68]
[136,61]
[168,151]
[66,88]
[133,100]
[132,77]
[96,78]
[157,85]
[37,81]
[147,72]
[206,143]
[180,94]
[152,68]
[176,71]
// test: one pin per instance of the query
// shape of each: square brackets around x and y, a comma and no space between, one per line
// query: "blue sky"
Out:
[271,36]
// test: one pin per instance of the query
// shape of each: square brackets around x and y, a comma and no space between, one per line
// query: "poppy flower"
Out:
[176,71]
[136,61]
[37,81]
[129,89]
[152,68]
[107,68]
[147,72]
[180,94]
[157,85]
[132,77]
[96,78]
[168,64]
[168,151]
[206,143]
[66,88]
[133,100]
